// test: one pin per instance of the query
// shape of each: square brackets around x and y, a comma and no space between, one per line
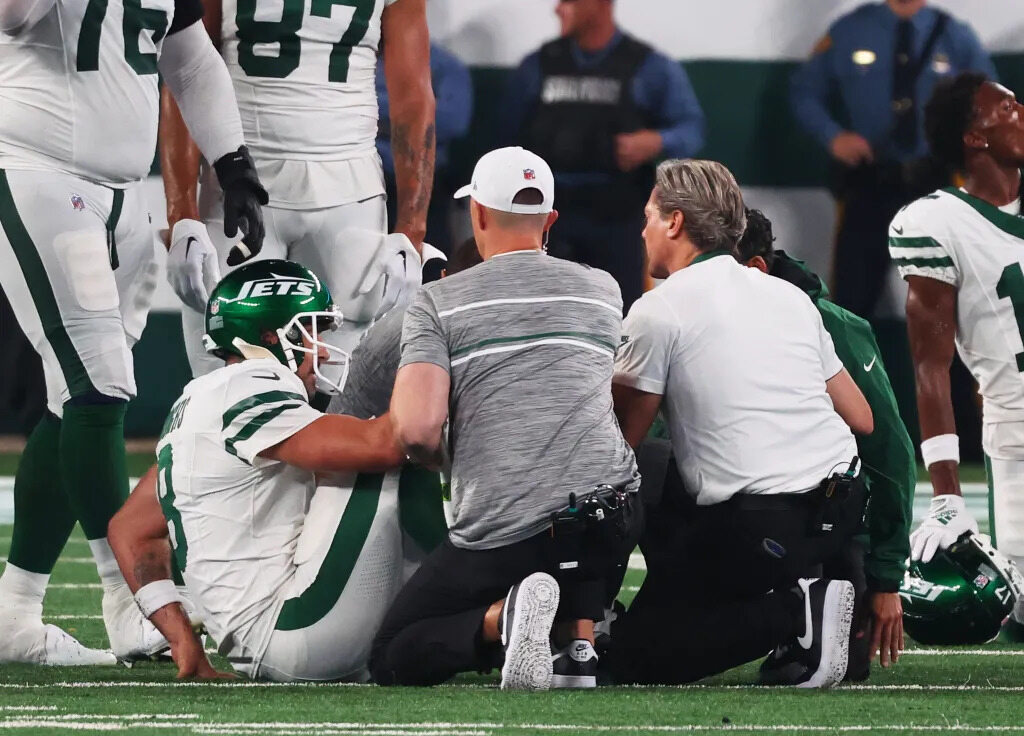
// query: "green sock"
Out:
[43,518]
[92,464]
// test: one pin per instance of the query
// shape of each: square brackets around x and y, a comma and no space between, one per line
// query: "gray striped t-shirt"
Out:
[529,341]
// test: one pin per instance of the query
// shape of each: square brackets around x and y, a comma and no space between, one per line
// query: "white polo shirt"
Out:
[741,359]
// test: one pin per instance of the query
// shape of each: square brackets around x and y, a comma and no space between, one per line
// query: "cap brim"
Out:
[463,192]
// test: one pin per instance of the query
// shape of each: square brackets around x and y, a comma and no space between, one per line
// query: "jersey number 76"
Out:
[284,32]
[136,19]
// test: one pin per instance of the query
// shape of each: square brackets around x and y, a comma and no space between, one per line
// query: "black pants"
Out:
[612,244]
[432,630]
[719,593]
[861,265]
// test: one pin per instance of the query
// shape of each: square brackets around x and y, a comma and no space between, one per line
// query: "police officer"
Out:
[883,59]
[600,107]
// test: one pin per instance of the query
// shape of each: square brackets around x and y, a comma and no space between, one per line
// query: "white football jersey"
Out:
[78,90]
[303,72]
[234,518]
[978,248]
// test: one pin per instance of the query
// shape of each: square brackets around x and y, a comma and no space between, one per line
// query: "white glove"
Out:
[399,265]
[430,253]
[948,518]
[193,268]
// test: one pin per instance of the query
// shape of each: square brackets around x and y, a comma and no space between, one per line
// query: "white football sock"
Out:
[21,588]
[106,563]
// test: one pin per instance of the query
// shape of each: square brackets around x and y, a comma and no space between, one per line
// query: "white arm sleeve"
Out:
[201,85]
[20,15]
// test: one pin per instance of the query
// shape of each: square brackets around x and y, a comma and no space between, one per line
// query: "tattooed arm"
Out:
[407,73]
[138,537]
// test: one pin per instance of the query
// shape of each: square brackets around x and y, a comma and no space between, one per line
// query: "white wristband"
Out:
[939,448]
[151,598]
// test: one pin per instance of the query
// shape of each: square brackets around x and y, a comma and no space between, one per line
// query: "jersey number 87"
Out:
[284,32]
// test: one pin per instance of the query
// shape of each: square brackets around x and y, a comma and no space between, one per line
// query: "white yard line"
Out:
[75,586]
[247,684]
[187,723]
[70,560]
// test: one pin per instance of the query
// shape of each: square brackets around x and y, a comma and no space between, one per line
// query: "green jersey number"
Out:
[1011,286]
[285,33]
[165,492]
[136,20]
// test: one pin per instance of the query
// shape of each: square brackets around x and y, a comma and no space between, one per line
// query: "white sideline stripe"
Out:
[75,586]
[72,560]
[532,344]
[73,617]
[89,722]
[27,707]
[529,300]
[248,684]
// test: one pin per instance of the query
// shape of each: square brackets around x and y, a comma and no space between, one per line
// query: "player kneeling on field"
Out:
[289,578]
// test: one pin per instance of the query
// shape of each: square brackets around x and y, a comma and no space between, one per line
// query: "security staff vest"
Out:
[575,121]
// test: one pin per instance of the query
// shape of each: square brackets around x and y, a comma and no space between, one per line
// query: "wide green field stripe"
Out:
[589,337]
[38,282]
[319,598]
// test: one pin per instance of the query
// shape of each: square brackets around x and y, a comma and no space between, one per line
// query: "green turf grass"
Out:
[942,693]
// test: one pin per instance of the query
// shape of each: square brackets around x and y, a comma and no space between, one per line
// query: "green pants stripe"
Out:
[319,598]
[991,502]
[45,303]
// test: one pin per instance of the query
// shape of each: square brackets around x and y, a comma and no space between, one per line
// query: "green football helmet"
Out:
[962,595]
[264,309]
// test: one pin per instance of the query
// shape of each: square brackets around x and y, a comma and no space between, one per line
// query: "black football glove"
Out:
[243,195]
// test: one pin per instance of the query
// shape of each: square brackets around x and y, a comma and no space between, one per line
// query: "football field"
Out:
[969,690]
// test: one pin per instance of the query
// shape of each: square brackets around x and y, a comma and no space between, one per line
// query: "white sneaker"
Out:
[132,637]
[28,640]
[526,620]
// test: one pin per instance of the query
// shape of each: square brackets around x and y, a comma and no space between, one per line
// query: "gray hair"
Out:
[707,194]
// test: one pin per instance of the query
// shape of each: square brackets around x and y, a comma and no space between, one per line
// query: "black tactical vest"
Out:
[577,116]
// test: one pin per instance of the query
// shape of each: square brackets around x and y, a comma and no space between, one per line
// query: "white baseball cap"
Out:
[504,172]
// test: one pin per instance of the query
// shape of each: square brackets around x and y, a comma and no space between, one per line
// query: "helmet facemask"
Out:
[309,327]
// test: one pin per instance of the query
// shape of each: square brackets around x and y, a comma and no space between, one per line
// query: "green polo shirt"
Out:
[887,453]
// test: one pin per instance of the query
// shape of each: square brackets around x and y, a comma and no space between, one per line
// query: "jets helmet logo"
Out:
[276,286]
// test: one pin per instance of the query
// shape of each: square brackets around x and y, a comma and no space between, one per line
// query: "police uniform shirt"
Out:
[856,59]
[741,359]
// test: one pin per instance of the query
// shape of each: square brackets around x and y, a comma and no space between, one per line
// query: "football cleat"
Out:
[26,639]
[132,637]
[575,666]
[525,623]
[824,646]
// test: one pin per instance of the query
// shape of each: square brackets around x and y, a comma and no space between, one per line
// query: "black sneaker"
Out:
[782,667]
[525,622]
[824,646]
[575,666]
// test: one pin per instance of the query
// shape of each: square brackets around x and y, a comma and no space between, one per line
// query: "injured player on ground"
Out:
[291,539]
